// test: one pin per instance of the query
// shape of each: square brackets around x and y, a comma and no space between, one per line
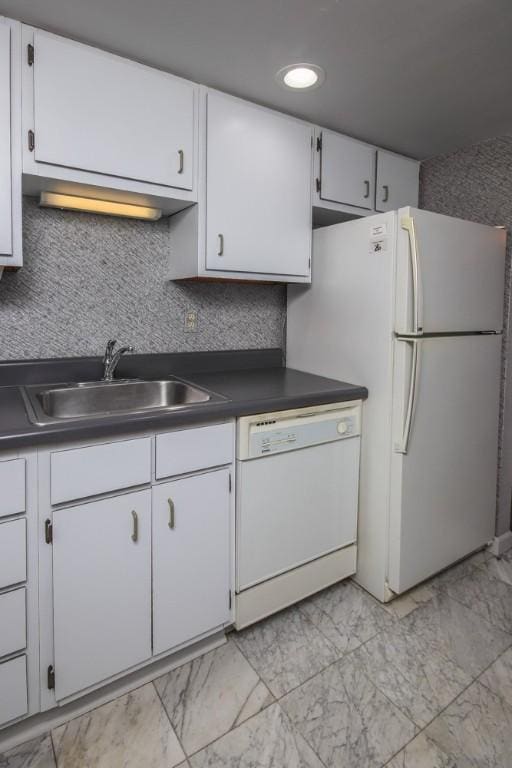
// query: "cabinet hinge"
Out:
[230,483]
[318,184]
[31,141]
[319,143]
[48,531]
[51,678]
[30,54]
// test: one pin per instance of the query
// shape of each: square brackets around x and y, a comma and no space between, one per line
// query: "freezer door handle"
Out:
[407,223]
[411,398]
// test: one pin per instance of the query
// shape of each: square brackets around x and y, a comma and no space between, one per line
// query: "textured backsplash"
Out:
[476,183]
[87,278]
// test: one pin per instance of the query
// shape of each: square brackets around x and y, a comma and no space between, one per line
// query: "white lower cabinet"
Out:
[101,590]
[13,621]
[191,558]
[13,689]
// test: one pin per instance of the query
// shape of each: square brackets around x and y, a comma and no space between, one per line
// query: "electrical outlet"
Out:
[191,321]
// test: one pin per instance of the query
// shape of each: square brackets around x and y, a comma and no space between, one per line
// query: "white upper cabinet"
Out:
[10,157]
[258,194]
[397,181]
[5,141]
[347,170]
[99,113]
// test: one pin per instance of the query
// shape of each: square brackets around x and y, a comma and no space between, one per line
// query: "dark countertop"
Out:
[251,382]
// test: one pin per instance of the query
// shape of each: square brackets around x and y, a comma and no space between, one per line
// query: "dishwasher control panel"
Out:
[275,433]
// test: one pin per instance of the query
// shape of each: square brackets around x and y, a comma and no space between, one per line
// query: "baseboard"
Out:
[501,544]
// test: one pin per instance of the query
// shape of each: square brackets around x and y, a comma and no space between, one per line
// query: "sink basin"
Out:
[51,403]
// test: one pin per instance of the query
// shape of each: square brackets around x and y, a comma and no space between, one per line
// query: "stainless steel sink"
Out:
[47,404]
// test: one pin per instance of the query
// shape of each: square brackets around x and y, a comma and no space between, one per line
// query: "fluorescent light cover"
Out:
[301,76]
[92,205]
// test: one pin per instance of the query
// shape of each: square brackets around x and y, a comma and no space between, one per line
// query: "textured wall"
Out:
[476,184]
[87,278]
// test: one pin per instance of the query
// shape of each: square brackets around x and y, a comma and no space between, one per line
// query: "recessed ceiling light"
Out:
[301,76]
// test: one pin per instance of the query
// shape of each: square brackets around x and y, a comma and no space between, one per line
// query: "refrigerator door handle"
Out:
[407,223]
[411,399]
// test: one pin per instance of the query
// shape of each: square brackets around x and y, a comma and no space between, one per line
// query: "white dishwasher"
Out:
[296,509]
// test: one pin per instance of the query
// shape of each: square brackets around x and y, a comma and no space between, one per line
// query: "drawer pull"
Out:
[171,513]
[135,534]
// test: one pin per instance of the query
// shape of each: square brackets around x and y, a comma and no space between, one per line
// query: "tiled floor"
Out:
[338,681]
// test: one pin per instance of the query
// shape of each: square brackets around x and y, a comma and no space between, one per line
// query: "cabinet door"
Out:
[191,558]
[258,189]
[346,171]
[5,142]
[397,181]
[98,112]
[101,589]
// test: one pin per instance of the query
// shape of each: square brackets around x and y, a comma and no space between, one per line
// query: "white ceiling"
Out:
[421,77]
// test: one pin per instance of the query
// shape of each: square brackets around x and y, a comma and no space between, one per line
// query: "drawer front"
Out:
[12,483]
[13,552]
[13,621]
[188,450]
[82,472]
[13,689]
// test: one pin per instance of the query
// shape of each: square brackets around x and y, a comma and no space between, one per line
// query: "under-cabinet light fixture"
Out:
[301,77]
[92,205]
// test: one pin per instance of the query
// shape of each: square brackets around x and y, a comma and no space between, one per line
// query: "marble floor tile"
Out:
[36,753]
[475,730]
[285,650]
[346,719]
[346,615]
[499,677]
[414,675]
[449,629]
[499,568]
[422,752]
[265,741]
[404,604]
[489,598]
[210,695]
[129,732]
[457,571]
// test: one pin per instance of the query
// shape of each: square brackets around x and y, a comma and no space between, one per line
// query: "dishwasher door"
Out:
[295,506]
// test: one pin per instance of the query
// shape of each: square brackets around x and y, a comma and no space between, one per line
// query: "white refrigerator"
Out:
[410,304]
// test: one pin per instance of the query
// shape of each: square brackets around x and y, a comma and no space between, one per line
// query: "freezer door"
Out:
[449,274]
[444,461]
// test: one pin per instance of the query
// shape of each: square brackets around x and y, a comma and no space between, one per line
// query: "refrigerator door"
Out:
[444,461]
[449,275]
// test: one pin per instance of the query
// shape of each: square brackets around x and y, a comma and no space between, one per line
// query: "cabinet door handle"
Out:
[171,513]
[220,252]
[386,193]
[181,156]
[135,530]
[367,188]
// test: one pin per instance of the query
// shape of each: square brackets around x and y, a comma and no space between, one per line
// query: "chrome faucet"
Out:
[111,359]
